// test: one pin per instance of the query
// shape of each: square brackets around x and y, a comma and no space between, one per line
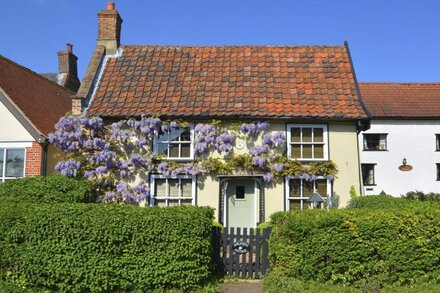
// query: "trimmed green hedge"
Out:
[395,246]
[101,248]
[387,202]
[50,189]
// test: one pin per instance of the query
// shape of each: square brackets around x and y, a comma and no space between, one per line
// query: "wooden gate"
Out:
[244,252]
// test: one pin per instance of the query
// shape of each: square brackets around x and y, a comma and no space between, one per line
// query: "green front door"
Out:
[240,203]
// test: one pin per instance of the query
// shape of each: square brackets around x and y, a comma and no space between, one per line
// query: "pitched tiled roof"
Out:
[401,100]
[239,81]
[41,101]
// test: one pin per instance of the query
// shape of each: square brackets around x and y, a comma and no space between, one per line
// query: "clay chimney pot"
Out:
[110,6]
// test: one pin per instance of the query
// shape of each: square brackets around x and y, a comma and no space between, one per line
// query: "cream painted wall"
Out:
[11,129]
[53,157]
[344,152]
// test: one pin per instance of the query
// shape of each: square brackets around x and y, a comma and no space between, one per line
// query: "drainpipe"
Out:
[44,163]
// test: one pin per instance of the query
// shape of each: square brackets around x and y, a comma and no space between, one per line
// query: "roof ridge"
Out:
[35,73]
[239,46]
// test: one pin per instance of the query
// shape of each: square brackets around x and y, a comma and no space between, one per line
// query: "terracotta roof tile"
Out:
[42,101]
[401,100]
[242,81]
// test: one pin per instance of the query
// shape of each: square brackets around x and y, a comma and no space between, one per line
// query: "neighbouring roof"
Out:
[41,101]
[237,81]
[50,76]
[401,100]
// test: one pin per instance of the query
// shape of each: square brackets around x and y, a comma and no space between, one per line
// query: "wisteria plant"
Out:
[113,157]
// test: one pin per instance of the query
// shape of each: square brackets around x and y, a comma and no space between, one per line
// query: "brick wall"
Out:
[34,159]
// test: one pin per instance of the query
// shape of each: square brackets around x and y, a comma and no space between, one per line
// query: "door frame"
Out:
[259,205]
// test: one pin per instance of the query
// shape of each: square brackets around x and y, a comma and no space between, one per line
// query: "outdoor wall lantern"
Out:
[405,166]
[315,200]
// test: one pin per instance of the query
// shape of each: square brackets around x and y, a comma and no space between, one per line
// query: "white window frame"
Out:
[325,141]
[191,157]
[167,198]
[303,198]
[13,146]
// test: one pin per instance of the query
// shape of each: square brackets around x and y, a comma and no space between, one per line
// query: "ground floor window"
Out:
[299,190]
[176,191]
[12,162]
[368,174]
[438,171]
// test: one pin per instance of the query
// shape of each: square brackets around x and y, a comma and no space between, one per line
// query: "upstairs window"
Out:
[375,142]
[368,174]
[176,143]
[307,142]
[437,142]
[11,163]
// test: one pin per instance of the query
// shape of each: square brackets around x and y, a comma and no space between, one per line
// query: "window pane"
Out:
[375,141]
[307,188]
[186,202]
[368,174]
[1,162]
[318,135]
[437,142]
[173,202]
[318,151]
[296,151]
[186,135]
[175,134]
[186,187]
[295,134]
[307,135]
[174,150]
[160,203]
[306,204]
[307,151]
[383,142]
[438,171]
[295,187]
[294,204]
[14,163]
[163,137]
[174,187]
[185,150]
[162,148]
[160,188]
[321,186]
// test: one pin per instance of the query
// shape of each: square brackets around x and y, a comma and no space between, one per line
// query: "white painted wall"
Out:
[11,129]
[410,139]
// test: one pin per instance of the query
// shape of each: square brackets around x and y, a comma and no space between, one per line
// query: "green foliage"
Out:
[362,247]
[353,193]
[50,189]
[419,195]
[386,202]
[102,248]
[263,226]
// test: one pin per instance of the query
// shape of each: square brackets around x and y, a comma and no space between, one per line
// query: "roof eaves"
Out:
[21,117]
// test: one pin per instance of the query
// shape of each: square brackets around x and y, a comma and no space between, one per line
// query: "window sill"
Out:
[369,185]
[375,150]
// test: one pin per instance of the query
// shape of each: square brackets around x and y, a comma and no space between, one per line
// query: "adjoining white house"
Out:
[401,150]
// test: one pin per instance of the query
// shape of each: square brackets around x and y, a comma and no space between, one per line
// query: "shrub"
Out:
[96,248]
[419,195]
[50,189]
[395,246]
[385,202]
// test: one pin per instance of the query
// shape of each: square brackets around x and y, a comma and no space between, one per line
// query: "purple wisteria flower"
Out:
[267,177]
[260,162]
[68,168]
[278,167]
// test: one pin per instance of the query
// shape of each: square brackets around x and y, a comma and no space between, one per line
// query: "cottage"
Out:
[400,152]
[30,105]
[309,93]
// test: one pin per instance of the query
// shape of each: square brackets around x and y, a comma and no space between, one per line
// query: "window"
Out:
[173,191]
[300,190]
[438,171]
[239,192]
[368,174]
[307,142]
[375,142]
[437,142]
[11,163]
[177,143]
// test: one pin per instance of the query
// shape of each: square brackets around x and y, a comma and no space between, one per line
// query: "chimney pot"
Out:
[69,48]
[110,5]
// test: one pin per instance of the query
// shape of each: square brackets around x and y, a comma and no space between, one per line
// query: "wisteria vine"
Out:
[113,157]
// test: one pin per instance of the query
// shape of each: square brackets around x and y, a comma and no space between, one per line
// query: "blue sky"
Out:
[390,40]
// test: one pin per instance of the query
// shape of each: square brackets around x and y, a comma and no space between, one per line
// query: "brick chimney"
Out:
[109,28]
[68,69]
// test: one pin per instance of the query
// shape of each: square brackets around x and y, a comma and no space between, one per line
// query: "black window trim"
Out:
[374,174]
[372,150]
